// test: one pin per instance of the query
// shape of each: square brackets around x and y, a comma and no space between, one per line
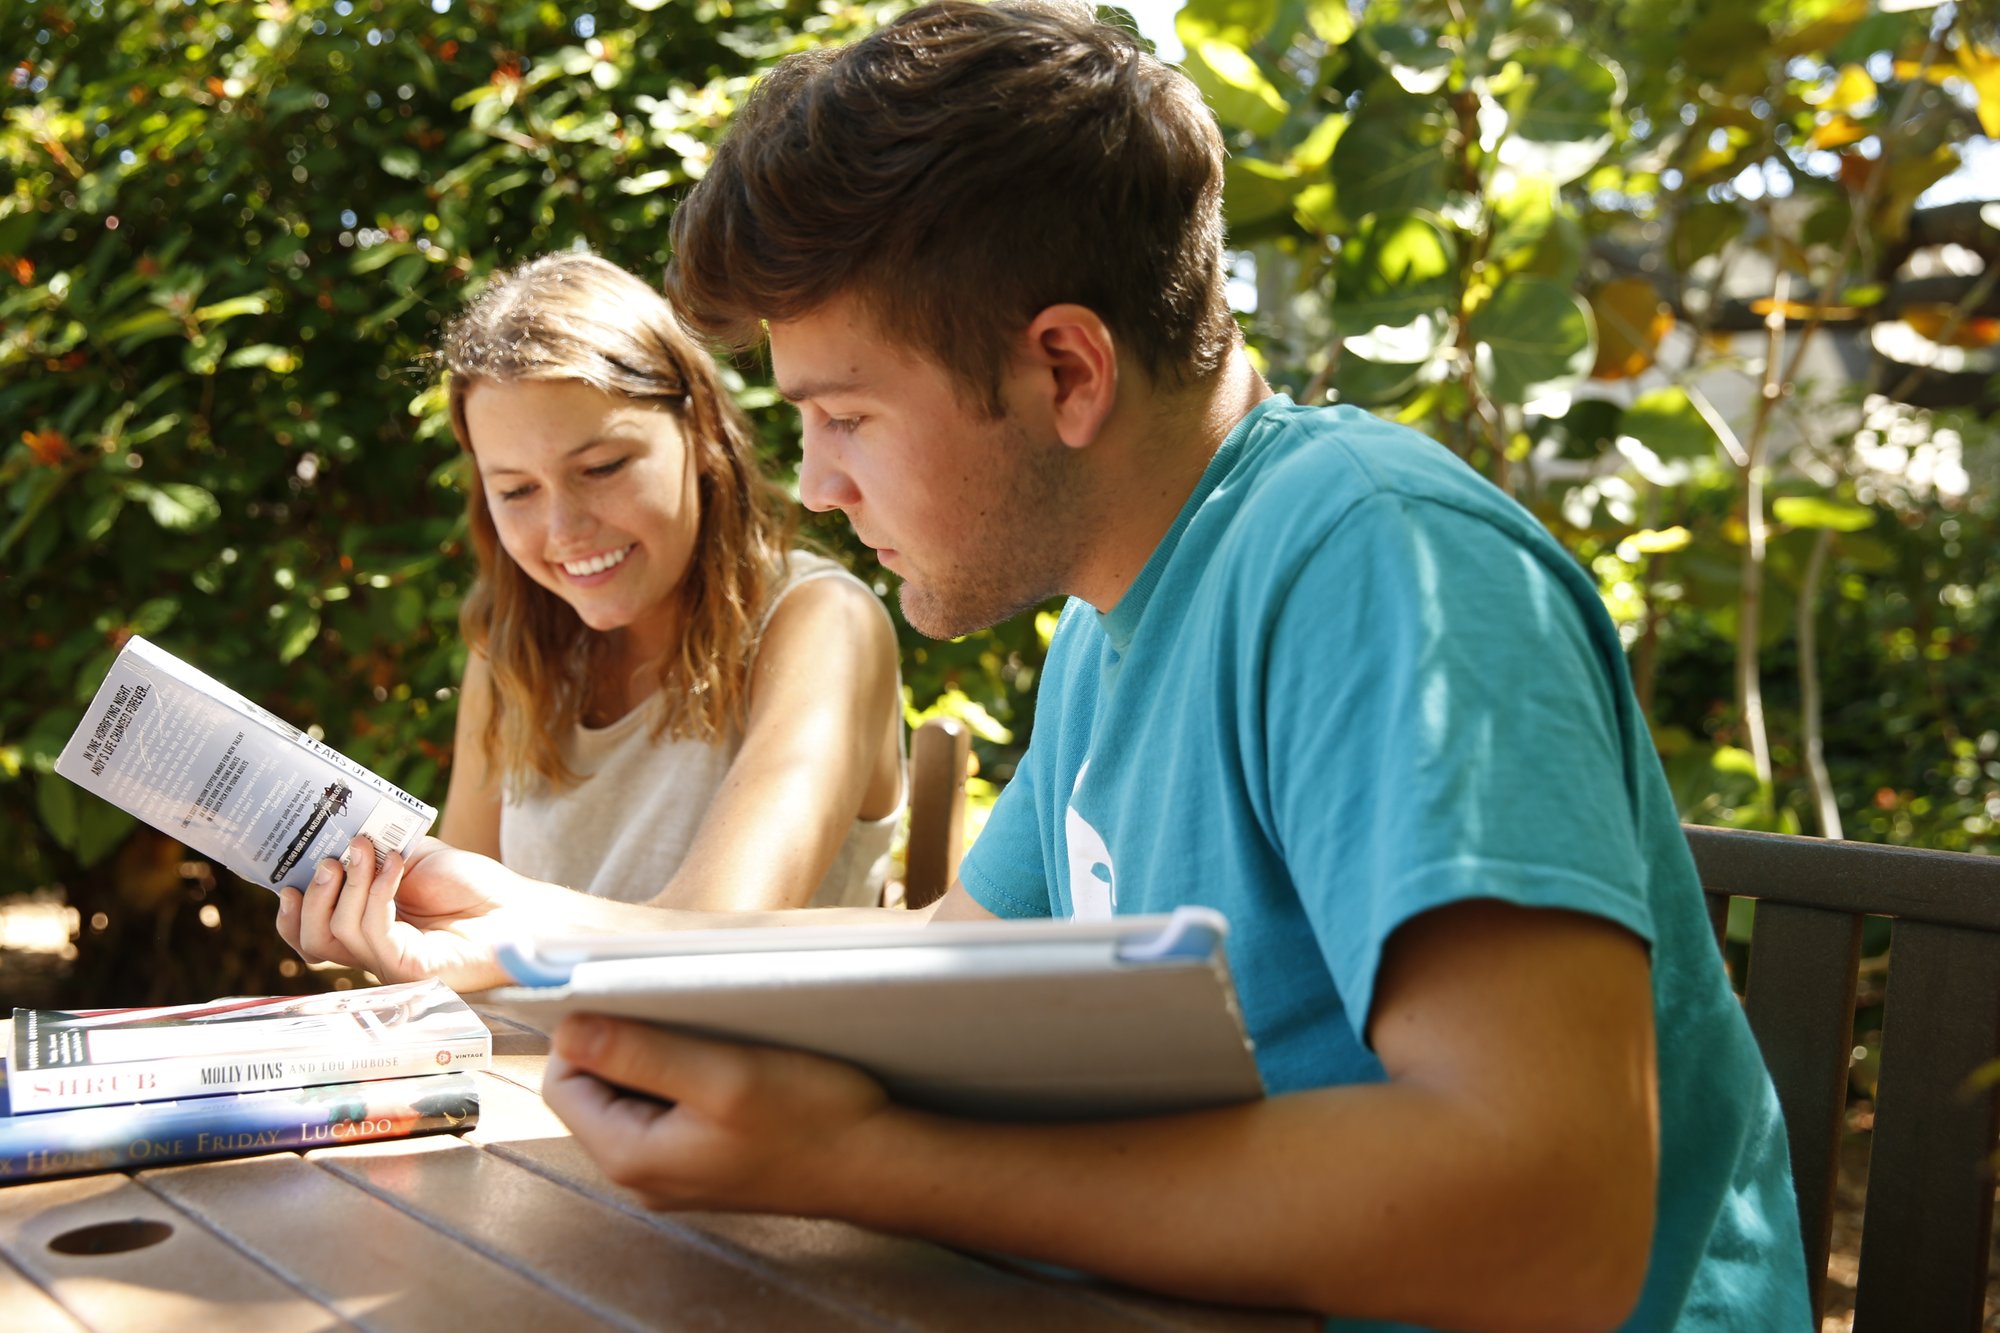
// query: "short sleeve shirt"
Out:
[1354,683]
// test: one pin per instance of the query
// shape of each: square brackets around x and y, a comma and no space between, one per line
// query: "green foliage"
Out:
[229,233]
[1516,243]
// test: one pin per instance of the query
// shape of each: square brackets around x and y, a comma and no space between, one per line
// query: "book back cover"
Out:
[206,766]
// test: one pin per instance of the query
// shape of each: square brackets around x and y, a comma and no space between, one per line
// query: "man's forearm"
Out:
[1316,1200]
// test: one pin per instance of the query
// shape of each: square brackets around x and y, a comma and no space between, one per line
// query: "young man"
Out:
[1316,673]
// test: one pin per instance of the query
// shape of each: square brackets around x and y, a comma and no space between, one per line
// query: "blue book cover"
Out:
[138,1134]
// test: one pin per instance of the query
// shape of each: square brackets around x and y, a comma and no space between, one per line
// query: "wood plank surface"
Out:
[597,1255]
[29,1309]
[1908,883]
[1803,967]
[509,1227]
[910,1283]
[376,1265]
[1925,1231]
[190,1279]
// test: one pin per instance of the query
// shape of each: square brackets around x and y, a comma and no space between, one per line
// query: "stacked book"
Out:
[111,1089]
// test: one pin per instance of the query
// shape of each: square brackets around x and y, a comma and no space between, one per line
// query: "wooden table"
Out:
[508,1227]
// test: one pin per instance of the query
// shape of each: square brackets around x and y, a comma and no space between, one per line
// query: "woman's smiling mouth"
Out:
[597,564]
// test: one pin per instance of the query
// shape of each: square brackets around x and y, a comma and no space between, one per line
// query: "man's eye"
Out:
[844,425]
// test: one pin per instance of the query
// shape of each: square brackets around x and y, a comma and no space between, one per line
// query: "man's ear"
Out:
[1074,358]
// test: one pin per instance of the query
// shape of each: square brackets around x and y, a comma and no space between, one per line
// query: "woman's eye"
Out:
[606,469]
[517,493]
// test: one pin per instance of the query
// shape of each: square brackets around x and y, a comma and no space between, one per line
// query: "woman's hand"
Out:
[437,915]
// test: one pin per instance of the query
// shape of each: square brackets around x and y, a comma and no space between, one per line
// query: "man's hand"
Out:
[1502,1178]
[689,1123]
[438,915]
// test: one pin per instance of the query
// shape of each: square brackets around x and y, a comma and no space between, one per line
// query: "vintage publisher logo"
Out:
[332,801]
[444,1057]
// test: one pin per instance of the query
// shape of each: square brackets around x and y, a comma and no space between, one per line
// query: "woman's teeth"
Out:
[597,564]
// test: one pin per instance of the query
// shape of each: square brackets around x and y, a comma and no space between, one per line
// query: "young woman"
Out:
[665,702]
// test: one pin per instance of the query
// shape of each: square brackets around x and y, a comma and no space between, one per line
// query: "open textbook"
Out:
[1007,1020]
[204,765]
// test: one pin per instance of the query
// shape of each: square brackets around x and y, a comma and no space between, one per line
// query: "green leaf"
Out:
[402,162]
[178,506]
[475,96]
[375,256]
[1372,383]
[1742,920]
[269,355]
[1533,332]
[139,327]
[1816,511]
[1392,158]
[1253,189]
[1521,218]
[1703,229]
[56,801]
[1330,20]
[99,515]
[406,272]
[101,828]
[1238,22]
[647,182]
[1569,95]
[301,627]
[1731,759]
[154,615]
[203,353]
[406,609]
[1655,541]
[17,232]
[1392,271]
[255,304]
[1236,89]
[1316,149]
[1414,57]
[1667,422]
[1317,208]
[1559,120]
[153,430]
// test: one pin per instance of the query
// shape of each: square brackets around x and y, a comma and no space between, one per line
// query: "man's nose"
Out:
[823,482]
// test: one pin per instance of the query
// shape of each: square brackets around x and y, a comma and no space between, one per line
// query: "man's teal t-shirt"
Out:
[1356,682]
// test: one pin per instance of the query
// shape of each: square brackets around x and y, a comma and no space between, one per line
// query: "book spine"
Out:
[114,1138]
[59,1088]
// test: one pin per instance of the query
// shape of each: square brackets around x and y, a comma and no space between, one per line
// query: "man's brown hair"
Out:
[959,171]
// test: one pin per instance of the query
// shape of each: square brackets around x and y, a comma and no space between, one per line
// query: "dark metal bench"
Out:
[1926,1226]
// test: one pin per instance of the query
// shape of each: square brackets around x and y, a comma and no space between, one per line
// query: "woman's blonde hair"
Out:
[575,316]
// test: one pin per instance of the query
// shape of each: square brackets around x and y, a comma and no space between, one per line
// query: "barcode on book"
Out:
[390,828]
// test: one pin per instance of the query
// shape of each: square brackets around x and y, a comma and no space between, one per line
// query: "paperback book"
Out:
[206,766]
[103,1057]
[116,1138]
